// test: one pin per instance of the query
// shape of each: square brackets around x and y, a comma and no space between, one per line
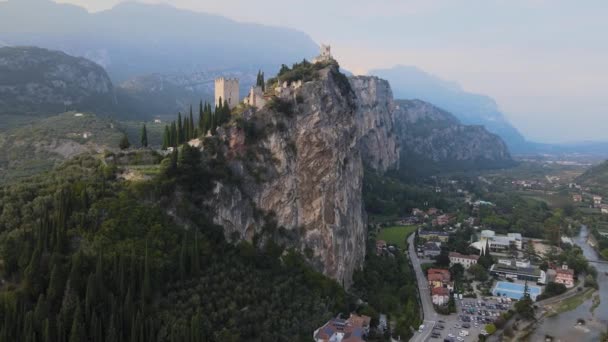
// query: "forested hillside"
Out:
[88,257]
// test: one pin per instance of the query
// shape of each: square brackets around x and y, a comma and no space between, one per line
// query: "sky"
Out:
[543,61]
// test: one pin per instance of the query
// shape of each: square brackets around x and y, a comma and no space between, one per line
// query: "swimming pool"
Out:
[514,290]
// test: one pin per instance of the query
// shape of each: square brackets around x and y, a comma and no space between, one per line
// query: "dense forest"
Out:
[86,256]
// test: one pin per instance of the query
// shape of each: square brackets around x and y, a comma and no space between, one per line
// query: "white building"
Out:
[465,260]
[498,243]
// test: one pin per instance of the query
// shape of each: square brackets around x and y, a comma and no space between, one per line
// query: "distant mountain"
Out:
[409,82]
[37,81]
[433,140]
[135,39]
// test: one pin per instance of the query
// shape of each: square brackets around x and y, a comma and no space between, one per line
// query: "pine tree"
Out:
[144,136]
[124,142]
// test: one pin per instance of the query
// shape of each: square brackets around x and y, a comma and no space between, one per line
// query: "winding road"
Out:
[430,316]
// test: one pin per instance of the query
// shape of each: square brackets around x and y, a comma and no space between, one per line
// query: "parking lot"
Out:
[471,319]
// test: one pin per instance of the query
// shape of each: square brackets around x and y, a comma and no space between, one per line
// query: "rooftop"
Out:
[463,256]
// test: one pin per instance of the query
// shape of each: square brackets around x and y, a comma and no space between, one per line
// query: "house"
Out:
[577,198]
[604,208]
[444,219]
[439,278]
[380,246]
[465,260]
[440,295]
[434,235]
[432,249]
[353,329]
[432,211]
[597,200]
[417,212]
[565,276]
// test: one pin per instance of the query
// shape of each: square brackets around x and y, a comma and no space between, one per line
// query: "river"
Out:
[563,326]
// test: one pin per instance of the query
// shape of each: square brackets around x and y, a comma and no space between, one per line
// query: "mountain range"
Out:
[129,39]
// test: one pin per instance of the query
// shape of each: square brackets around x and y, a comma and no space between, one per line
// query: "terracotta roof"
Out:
[564,272]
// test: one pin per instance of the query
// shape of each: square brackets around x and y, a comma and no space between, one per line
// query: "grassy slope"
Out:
[30,148]
[396,235]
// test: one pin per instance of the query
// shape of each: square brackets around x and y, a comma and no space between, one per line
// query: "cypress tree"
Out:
[124,142]
[180,129]
[201,126]
[166,138]
[173,139]
[77,333]
[144,136]
[191,125]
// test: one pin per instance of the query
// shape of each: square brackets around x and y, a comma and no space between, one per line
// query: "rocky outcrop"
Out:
[430,134]
[379,143]
[304,173]
[299,162]
[40,81]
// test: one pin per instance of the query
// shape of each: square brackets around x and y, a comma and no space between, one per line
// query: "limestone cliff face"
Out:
[304,166]
[430,134]
[379,143]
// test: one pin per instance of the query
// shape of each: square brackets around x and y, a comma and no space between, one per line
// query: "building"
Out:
[440,295]
[597,201]
[325,54]
[434,235]
[380,247]
[577,198]
[516,263]
[520,273]
[465,260]
[227,90]
[498,243]
[439,278]
[604,208]
[256,97]
[565,276]
[417,212]
[444,219]
[432,249]
[432,211]
[353,329]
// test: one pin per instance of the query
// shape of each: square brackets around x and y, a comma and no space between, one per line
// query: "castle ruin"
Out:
[325,54]
[227,89]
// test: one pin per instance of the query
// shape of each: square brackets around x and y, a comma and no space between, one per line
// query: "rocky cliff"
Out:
[299,162]
[379,144]
[429,135]
[40,81]
[299,159]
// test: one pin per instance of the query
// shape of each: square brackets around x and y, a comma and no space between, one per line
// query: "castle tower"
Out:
[227,89]
[325,54]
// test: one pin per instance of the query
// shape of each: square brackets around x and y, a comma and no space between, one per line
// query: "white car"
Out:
[460,339]
[451,335]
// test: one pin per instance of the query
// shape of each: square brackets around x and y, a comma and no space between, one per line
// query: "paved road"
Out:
[430,316]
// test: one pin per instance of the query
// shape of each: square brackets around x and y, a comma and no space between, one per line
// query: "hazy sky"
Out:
[544,61]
